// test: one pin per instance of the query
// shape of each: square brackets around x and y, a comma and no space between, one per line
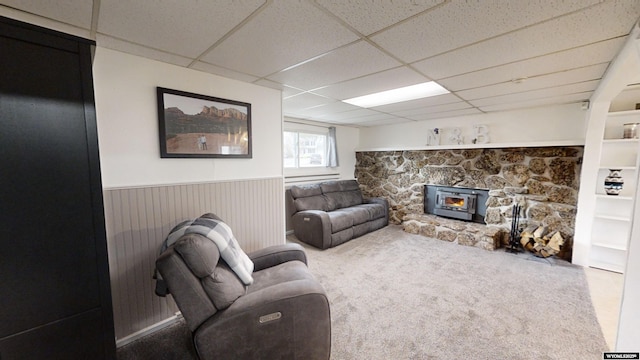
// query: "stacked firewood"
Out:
[540,242]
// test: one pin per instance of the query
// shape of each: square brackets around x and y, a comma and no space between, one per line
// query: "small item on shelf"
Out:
[613,182]
[630,131]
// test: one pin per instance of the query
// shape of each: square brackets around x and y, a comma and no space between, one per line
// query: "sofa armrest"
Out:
[313,227]
[275,255]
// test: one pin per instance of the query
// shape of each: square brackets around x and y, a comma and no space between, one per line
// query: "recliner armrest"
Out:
[278,254]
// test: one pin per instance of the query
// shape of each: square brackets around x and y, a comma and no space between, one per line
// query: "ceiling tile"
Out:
[368,16]
[537,94]
[598,23]
[73,12]
[460,23]
[284,34]
[347,115]
[345,63]
[428,112]
[203,66]
[562,99]
[390,121]
[578,57]
[303,101]
[277,86]
[593,72]
[371,117]
[186,26]
[382,81]
[448,114]
[330,108]
[38,20]
[129,48]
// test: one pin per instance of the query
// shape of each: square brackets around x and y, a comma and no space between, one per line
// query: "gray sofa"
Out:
[333,212]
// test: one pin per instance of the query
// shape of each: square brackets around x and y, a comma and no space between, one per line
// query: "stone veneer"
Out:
[543,179]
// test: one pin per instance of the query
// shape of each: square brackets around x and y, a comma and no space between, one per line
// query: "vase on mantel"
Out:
[613,182]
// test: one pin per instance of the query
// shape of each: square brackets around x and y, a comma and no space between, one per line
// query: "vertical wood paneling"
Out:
[138,220]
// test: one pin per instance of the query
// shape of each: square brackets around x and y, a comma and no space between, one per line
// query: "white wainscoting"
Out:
[138,219]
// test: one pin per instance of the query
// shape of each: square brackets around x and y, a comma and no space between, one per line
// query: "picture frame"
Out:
[200,126]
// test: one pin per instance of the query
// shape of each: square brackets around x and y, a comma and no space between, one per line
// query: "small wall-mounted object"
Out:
[637,106]
[584,105]
[630,131]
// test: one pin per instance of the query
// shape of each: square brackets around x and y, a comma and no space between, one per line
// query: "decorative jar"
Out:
[630,131]
[613,182]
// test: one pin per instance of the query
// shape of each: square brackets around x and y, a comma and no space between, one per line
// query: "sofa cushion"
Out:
[318,202]
[285,272]
[223,286]
[340,220]
[344,199]
[199,253]
[299,191]
[358,214]
[342,194]
[376,211]
[202,257]
[340,185]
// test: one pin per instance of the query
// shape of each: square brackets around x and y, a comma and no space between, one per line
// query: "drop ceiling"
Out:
[492,55]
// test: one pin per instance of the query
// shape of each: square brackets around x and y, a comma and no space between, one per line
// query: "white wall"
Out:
[126,105]
[548,124]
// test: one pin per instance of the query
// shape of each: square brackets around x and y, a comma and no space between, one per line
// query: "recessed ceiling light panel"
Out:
[406,93]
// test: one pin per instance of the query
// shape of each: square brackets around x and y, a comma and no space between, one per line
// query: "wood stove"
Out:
[469,204]
[455,204]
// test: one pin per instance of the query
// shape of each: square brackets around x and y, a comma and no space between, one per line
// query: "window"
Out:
[304,149]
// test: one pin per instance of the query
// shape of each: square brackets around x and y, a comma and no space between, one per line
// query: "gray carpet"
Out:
[395,295]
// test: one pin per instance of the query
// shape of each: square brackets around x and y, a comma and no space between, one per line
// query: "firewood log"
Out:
[539,232]
[540,241]
[524,240]
[556,241]
[528,231]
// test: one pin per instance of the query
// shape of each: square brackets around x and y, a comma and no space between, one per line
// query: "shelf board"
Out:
[619,268]
[620,141]
[624,113]
[618,167]
[576,142]
[614,197]
[614,218]
[609,246]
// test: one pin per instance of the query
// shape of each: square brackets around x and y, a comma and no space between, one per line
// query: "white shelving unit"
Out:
[612,221]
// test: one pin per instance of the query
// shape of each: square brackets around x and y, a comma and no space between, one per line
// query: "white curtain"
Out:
[332,148]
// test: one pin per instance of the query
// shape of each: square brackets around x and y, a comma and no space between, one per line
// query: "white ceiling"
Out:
[323,51]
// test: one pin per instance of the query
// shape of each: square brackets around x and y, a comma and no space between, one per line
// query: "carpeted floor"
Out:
[395,295]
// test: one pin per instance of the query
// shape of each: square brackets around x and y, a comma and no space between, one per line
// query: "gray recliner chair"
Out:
[283,314]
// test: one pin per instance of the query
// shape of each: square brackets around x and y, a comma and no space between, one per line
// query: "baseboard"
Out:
[148,330]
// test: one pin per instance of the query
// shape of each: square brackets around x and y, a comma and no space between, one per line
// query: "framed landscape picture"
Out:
[200,126]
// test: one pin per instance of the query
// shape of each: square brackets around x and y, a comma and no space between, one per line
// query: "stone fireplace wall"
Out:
[544,179]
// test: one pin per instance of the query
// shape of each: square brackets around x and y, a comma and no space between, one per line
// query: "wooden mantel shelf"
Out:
[576,142]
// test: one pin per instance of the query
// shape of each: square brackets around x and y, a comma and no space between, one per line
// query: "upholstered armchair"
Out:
[283,314]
